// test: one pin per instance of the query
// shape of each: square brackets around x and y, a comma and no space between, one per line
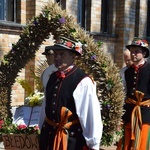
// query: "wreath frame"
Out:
[53,20]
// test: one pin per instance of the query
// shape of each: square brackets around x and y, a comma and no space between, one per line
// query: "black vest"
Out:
[140,81]
[59,92]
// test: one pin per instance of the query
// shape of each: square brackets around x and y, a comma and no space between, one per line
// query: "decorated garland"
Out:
[53,20]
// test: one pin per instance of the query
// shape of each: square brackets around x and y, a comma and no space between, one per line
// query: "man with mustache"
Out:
[73,117]
[137,104]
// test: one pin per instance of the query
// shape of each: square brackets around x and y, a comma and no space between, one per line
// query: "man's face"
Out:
[50,59]
[137,55]
[63,59]
[127,60]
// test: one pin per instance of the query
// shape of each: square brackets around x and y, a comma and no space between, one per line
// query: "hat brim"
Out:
[47,53]
[146,49]
[60,47]
[44,53]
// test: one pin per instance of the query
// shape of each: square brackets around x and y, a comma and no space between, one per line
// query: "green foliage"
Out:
[35,99]
[26,85]
[7,127]
[38,82]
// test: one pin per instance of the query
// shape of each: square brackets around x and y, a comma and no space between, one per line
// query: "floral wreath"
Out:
[140,42]
[53,20]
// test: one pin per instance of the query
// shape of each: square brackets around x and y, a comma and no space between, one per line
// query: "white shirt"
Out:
[88,111]
[122,74]
[44,78]
[46,74]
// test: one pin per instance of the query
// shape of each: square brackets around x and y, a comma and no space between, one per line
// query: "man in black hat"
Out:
[137,104]
[49,54]
[73,118]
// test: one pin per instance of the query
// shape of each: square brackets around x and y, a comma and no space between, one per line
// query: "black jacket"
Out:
[138,80]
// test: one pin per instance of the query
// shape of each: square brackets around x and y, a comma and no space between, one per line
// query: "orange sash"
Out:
[136,118]
[61,137]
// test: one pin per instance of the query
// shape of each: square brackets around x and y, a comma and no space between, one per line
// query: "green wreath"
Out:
[53,20]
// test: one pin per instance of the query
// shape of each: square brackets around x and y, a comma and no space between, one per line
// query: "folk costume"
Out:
[46,74]
[73,119]
[137,104]
[49,70]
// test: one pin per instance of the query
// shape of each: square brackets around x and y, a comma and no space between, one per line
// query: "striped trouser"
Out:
[127,144]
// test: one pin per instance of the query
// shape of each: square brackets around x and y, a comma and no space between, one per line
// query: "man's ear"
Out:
[144,53]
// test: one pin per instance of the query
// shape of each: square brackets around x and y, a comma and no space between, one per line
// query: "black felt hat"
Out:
[141,43]
[48,51]
[63,43]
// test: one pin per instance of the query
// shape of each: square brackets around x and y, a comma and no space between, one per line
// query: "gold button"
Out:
[53,111]
[72,133]
[54,95]
[56,87]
